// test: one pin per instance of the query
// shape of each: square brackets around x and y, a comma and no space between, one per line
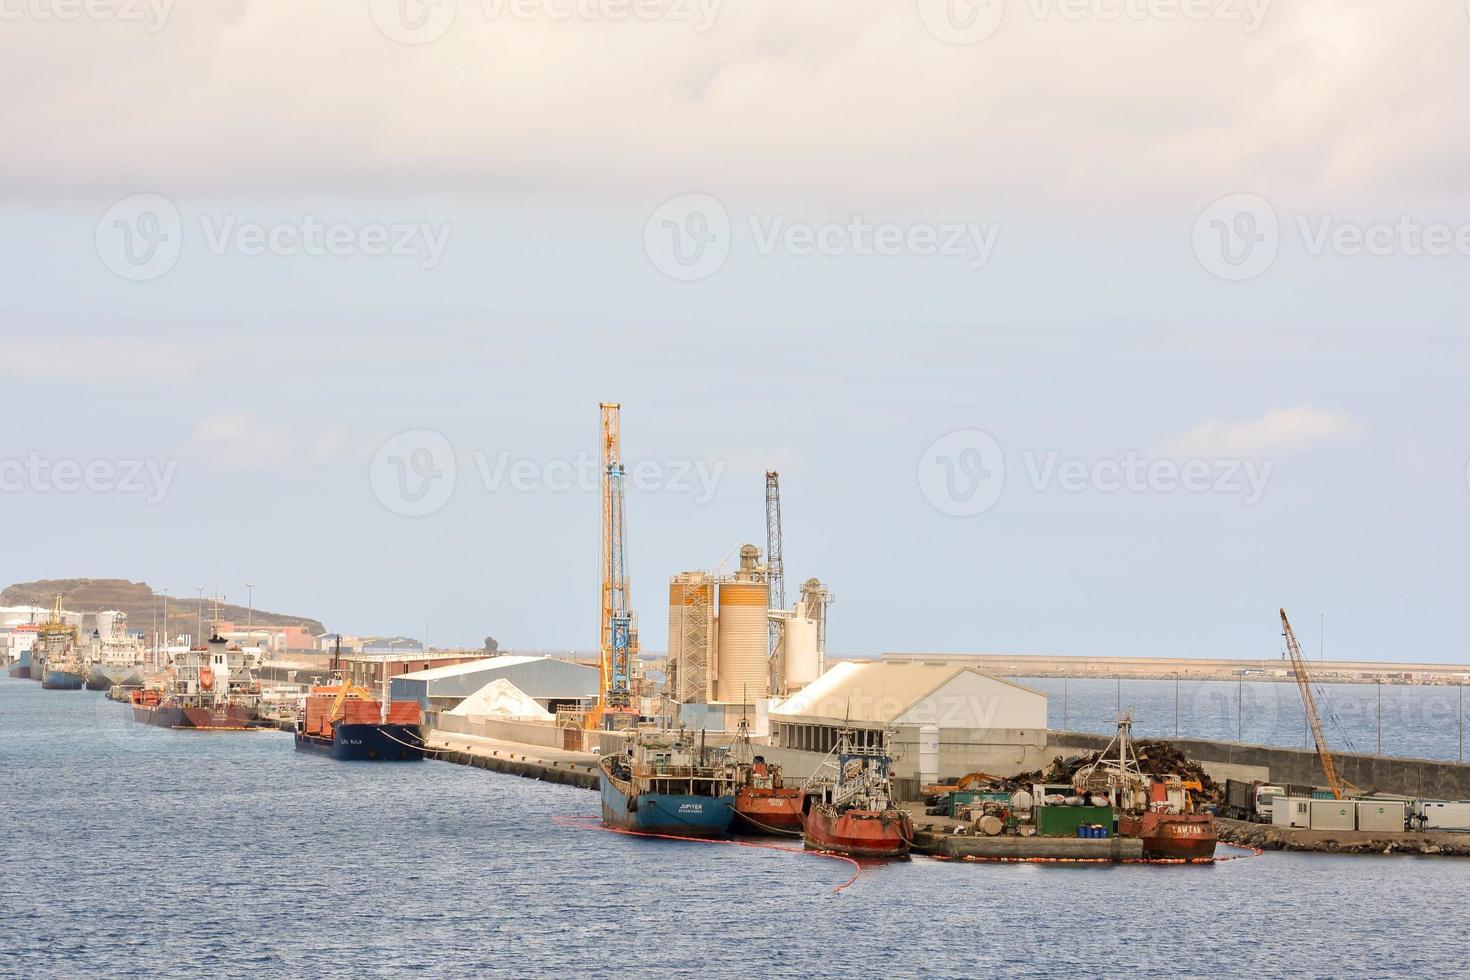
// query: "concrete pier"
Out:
[1269,837]
[961,846]
[515,759]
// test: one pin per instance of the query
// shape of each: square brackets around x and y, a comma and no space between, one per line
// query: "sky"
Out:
[1089,327]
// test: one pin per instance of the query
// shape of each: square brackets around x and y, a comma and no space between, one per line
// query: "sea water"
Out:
[130,850]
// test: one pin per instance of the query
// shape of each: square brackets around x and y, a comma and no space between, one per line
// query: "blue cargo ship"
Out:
[662,786]
[21,669]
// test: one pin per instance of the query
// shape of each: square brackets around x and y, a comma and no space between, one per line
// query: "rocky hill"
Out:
[137,599]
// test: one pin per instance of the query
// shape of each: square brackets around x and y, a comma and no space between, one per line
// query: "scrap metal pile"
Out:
[1155,758]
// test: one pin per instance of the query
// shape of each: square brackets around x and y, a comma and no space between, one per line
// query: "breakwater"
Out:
[1369,773]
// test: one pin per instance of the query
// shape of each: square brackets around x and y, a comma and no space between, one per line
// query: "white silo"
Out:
[801,662]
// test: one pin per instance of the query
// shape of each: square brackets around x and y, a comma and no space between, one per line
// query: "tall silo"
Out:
[742,674]
[691,636]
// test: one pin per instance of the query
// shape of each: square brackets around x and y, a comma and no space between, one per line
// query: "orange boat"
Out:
[763,805]
[1184,836]
[855,814]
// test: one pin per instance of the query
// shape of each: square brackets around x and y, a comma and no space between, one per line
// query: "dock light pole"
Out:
[1380,716]
[1240,710]
[1461,689]
[250,609]
[1064,705]
[199,629]
[1176,704]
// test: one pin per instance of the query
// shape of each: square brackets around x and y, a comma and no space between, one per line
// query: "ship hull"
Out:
[767,811]
[671,814]
[62,680]
[1176,836]
[229,718]
[858,833]
[21,669]
[104,678]
[368,743]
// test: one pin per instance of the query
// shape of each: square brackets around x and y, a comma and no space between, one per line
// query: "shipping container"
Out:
[1444,814]
[1333,815]
[1378,816]
[1291,811]
[1063,821]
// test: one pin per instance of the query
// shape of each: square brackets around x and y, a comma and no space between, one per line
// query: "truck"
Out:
[1249,800]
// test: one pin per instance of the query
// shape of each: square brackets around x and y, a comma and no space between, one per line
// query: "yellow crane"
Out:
[1299,665]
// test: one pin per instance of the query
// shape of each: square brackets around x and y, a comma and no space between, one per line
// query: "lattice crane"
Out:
[617,638]
[775,575]
[1299,666]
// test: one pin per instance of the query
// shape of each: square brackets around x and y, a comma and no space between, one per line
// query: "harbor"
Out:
[747,726]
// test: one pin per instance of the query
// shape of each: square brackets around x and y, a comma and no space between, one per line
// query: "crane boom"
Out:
[617,640]
[1299,665]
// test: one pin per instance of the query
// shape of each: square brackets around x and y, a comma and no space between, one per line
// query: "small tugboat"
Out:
[344,722]
[60,658]
[763,803]
[206,688]
[1156,810]
[855,813]
[662,784]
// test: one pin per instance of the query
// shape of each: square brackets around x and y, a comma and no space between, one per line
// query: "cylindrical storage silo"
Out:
[800,662]
[691,627]
[928,755]
[743,676]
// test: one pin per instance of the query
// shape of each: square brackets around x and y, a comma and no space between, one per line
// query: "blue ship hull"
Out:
[368,743]
[673,814]
[21,669]
[62,680]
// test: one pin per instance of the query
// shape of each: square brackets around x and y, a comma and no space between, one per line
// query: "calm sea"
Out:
[136,851]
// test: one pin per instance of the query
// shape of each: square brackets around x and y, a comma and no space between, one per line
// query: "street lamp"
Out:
[250,611]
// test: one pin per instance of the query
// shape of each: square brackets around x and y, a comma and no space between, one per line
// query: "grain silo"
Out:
[742,672]
[691,636]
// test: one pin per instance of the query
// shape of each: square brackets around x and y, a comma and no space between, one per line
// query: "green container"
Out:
[1063,821]
[959,798]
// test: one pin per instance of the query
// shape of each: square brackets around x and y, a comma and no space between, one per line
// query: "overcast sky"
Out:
[1096,328]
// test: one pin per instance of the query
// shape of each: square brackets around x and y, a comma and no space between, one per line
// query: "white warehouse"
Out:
[982,723]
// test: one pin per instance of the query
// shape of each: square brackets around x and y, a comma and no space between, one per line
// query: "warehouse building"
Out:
[967,720]
[551,683]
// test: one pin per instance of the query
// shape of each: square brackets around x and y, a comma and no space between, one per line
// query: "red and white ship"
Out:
[855,813]
[209,688]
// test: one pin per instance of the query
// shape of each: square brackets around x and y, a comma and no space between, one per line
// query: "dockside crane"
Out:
[1299,666]
[617,636]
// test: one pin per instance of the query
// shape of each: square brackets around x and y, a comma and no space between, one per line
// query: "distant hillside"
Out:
[137,600]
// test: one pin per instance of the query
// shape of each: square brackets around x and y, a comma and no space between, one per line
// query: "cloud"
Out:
[240,439]
[278,95]
[1279,430]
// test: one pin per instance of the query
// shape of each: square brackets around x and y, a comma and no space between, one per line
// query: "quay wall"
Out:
[524,732]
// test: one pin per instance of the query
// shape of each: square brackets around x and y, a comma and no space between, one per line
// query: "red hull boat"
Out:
[761,810]
[858,833]
[1183,836]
